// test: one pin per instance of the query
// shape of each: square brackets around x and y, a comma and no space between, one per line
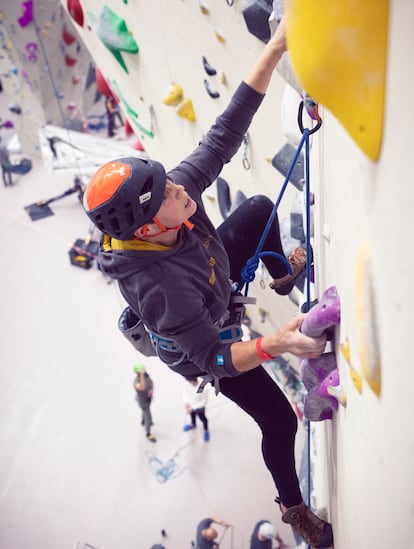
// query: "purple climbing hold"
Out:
[27,16]
[319,405]
[315,370]
[323,315]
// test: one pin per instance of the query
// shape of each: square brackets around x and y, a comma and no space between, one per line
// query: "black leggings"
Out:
[242,231]
[255,391]
[201,414]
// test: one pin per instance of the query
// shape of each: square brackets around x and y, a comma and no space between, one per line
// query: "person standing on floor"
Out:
[144,387]
[110,114]
[263,535]
[5,164]
[207,534]
[195,404]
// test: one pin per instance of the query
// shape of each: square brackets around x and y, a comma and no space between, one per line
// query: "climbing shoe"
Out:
[297,260]
[206,436]
[151,437]
[315,531]
[188,427]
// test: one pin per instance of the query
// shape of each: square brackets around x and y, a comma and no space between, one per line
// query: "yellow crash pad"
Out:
[338,51]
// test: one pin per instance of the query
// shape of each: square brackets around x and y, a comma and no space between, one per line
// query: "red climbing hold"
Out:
[69,61]
[128,128]
[138,146]
[101,84]
[75,10]
[68,37]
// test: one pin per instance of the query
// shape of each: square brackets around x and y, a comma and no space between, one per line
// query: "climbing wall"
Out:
[353,65]
[354,61]
[45,70]
[173,65]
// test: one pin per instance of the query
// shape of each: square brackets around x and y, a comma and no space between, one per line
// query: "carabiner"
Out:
[300,120]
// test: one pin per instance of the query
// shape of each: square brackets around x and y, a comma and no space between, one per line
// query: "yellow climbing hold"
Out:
[186,110]
[203,7]
[338,51]
[345,349]
[174,95]
[366,320]
[219,36]
[356,379]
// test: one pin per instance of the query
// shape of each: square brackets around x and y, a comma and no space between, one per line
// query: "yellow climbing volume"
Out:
[338,52]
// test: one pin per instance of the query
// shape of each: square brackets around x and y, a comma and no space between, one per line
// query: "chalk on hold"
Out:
[114,34]
[174,95]
[338,392]
[282,162]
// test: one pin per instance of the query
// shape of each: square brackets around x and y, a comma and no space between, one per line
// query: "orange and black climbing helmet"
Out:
[124,194]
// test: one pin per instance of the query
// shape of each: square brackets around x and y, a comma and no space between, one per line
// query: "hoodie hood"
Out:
[120,259]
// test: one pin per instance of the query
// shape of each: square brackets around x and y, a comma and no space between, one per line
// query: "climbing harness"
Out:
[229,325]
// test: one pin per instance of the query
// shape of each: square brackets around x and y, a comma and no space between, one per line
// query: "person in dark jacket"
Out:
[175,270]
[207,535]
[6,167]
[144,387]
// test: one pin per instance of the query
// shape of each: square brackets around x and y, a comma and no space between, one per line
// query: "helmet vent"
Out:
[115,225]
[129,214]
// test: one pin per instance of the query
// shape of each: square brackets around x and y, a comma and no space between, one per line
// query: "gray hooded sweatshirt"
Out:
[182,292]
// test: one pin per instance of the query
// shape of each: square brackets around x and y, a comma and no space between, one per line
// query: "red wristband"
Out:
[262,354]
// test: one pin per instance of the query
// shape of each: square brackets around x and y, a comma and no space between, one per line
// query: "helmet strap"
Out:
[163,228]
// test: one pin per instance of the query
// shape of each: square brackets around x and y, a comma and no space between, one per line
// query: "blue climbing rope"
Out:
[250,268]
[164,471]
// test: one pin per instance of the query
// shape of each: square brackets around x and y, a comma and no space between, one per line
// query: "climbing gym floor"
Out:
[74,459]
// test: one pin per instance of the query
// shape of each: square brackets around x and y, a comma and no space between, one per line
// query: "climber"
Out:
[173,269]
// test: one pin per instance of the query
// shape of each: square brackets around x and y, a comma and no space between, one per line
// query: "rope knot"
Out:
[249,270]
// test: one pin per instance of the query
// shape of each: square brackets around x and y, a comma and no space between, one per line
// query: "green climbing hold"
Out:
[114,34]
